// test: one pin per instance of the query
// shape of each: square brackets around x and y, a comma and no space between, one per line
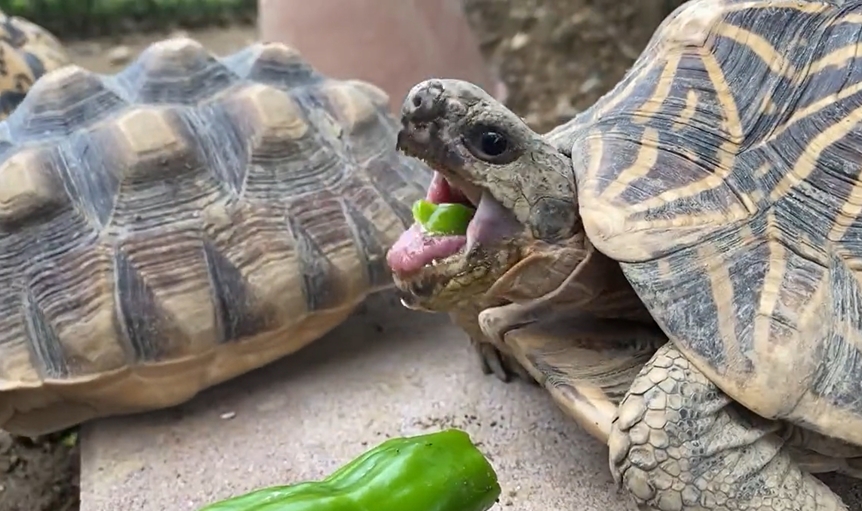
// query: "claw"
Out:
[492,361]
[500,364]
[484,364]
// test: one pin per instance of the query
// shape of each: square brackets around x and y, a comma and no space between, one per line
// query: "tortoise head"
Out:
[522,188]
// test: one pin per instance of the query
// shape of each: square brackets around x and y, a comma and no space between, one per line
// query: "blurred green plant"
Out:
[73,19]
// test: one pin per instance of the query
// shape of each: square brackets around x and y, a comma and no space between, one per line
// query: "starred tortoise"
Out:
[681,263]
[27,51]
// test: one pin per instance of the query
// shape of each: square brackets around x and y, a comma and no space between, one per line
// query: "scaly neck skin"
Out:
[613,296]
[596,285]
[609,294]
[568,277]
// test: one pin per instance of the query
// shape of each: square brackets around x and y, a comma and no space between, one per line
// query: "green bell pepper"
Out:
[442,219]
[441,471]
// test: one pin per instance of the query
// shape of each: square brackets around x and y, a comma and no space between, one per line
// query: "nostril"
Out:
[425,103]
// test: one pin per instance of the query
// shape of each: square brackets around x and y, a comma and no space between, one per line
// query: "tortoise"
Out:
[27,51]
[680,264]
[183,221]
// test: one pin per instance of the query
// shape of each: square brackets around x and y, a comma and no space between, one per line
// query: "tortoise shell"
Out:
[723,172]
[27,51]
[184,221]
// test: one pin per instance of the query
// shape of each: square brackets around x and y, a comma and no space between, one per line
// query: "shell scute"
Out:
[248,249]
[364,219]
[30,189]
[274,64]
[62,102]
[165,294]
[267,127]
[175,71]
[65,342]
[323,252]
[239,310]
[150,144]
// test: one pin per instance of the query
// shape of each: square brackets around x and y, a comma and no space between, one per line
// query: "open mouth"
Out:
[490,223]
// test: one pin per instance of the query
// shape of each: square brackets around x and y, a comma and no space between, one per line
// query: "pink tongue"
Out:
[441,191]
[413,250]
[492,222]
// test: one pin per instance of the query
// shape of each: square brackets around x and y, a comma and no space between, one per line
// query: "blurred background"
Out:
[555,56]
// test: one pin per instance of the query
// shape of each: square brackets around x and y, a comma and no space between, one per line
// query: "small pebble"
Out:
[228,415]
[564,109]
[519,41]
[119,55]
[590,84]
[89,48]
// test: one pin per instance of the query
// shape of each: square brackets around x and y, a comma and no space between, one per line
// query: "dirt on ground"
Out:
[559,56]
[556,57]
[40,474]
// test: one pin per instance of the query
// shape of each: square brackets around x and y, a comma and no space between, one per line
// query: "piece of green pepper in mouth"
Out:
[443,219]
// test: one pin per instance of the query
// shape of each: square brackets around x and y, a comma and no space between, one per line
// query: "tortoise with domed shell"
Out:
[184,221]
[681,263]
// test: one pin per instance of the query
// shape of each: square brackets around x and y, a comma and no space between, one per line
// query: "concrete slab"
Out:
[385,372]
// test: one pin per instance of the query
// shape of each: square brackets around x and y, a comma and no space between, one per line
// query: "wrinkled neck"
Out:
[611,294]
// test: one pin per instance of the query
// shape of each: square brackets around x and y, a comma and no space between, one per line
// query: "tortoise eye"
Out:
[489,144]
[493,143]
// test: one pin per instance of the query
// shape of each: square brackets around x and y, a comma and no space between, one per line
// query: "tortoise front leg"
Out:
[595,286]
[492,359]
[497,322]
[681,444]
[587,364]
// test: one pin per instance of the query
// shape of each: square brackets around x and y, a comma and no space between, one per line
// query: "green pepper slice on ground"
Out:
[443,219]
[441,471]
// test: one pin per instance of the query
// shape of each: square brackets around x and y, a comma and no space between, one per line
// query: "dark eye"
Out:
[493,143]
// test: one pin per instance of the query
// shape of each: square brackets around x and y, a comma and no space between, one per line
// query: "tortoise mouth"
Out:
[490,224]
[439,272]
[442,273]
